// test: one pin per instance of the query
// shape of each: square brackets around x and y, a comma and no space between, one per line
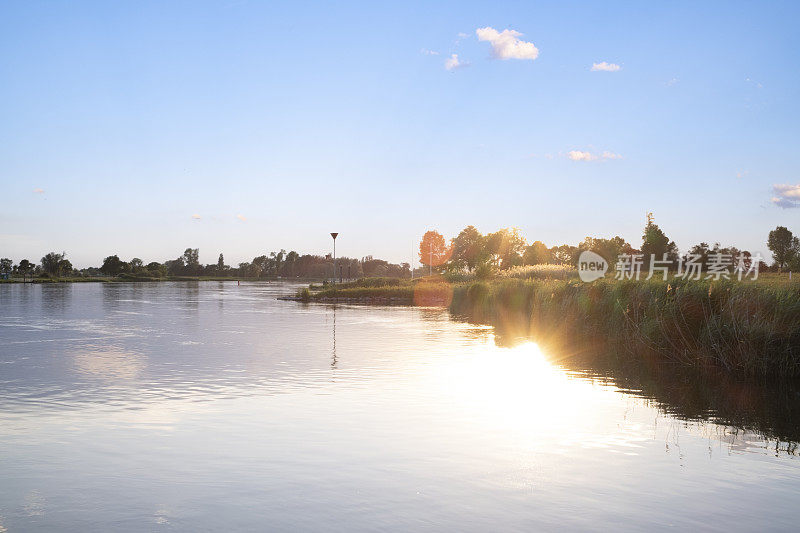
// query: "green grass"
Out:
[746,328]
[750,328]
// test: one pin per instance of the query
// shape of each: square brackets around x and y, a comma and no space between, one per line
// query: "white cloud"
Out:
[578,155]
[37,190]
[196,216]
[453,63]
[506,44]
[584,155]
[605,67]
[742,174]
[672,82]
[241,217]
[753,82]
[786,196]
[427,52]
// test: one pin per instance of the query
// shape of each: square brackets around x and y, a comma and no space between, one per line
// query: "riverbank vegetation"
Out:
[747,328]
[275,265]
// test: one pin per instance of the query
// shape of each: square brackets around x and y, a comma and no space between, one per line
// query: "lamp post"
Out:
[334,235]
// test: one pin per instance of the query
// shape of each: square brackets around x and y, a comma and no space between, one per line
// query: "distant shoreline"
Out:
[132,279]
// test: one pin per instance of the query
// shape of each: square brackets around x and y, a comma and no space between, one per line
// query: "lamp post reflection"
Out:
[333,362]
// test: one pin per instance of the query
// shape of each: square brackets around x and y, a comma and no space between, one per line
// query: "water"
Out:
[216,407]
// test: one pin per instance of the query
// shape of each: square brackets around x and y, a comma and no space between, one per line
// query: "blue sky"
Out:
[275,123]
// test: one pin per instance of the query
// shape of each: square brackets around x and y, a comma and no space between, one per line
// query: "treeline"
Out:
[474,252]
[271,266]
[469,251]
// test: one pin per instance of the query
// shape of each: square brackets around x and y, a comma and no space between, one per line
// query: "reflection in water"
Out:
[210,406]
[769,409]
[109,363]
[333,361]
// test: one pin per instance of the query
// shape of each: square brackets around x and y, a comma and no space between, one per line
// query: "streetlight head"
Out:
[334,235]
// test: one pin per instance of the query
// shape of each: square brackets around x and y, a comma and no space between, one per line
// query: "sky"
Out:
[242,127]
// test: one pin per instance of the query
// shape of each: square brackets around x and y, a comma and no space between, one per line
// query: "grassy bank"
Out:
[425,291]
[747,328]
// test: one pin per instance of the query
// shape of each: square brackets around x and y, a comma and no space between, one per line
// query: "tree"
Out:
[506,247]
[25,268]
[156,269]
[536,254]
[52,263]
[433,251]
[469,248]
[701,251]
[655,242]
[191,258]
[6,265]
[609,249]
[64,267]
[564,254]
[175,267]
[783,245]
[113,266]
[290,264]
[136,265]
[221,266]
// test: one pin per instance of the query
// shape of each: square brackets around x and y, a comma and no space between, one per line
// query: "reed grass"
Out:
[746,328]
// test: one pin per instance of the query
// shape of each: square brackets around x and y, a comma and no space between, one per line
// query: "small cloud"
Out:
[740,175]
[242,218]
[462,35]
[581,155]
[453,63]
[786,196]
[605,67]
[753,82]
[427,52]
[196,216]
[37,190]
[578,155]
[506,44]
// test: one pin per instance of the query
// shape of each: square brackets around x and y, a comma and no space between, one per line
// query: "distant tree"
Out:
[433,251]
[701,251]
[6,266]
[783,245]
[290,264]
[64,267]
[113,266]
[221,266]
[655,242]
[175,267]
[136,265]
[469,248]
[536,254]
[609,249]
[564,254]
[25,268]
[191,258]
[156,269]
[52,263]
[506,247]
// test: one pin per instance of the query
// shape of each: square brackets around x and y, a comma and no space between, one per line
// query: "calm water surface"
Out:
[215,407]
